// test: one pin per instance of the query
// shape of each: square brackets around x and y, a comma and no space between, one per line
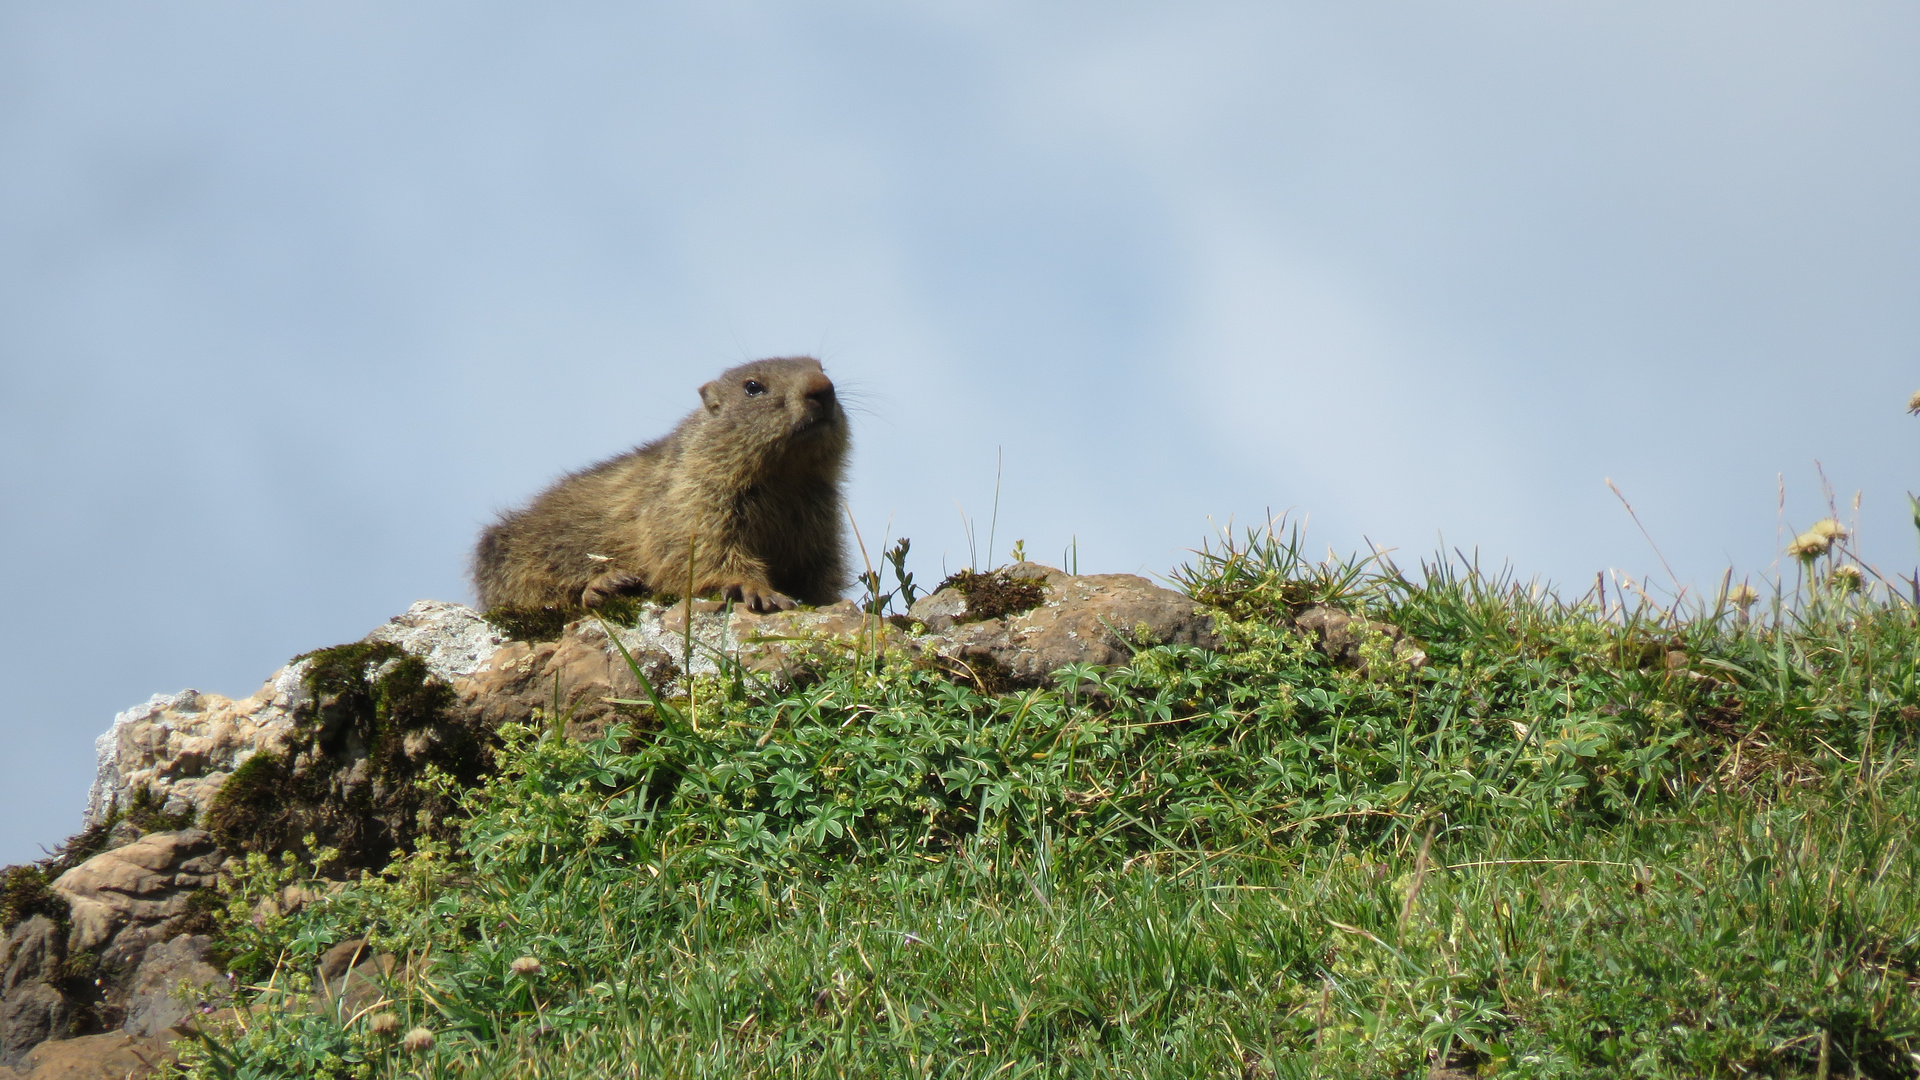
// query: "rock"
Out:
[453,639]
[181,747]
[575,674]
[153,1002]
[939,611]
[352,977]
[1083,619]
[783,644]
[1089,619]
[144,884]
[32,1009]
[114,1055]
[1340,636]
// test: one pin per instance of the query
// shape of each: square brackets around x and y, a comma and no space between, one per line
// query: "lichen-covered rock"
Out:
[178,751]
[1034,621]
[374,721]
[179,748]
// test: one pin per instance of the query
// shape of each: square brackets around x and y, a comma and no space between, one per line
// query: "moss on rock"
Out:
[995,595]
[375,723]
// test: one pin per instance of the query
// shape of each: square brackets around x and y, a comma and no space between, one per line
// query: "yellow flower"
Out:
[1742,596]
[1846,577]
[1913,403]
[1828,528]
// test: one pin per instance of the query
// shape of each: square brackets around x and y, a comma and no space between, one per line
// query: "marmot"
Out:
[751,479]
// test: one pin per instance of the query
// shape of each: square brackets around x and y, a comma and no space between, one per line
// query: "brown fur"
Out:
[752,480]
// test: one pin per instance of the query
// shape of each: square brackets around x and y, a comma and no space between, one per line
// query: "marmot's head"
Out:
[783,412]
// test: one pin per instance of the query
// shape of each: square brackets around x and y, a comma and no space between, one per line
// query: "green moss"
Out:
[996,595]
[254,809]
[374,724]
[545,623]
[24,893]
[146,813]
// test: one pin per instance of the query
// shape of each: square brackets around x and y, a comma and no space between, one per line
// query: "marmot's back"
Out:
[751,479]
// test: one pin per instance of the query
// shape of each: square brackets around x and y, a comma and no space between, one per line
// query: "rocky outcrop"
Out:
[179,748]
[330,745]
[177,751]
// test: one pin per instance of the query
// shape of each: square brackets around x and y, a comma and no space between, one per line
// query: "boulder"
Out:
[352,977]
[1014,627]
[32,1008]
[1340,636]
[784,644]
[181,747]
[113,1055]
[1081,619]
[154,1001]
[574,675]
[145,884]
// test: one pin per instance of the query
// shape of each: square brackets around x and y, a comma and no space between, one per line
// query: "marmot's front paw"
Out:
[757,597]
[609,585]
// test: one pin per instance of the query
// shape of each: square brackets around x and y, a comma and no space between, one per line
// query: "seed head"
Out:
[526,967]
[417,1040]
[1809,546]
[383,1023]
[1742,596]
[1828,528]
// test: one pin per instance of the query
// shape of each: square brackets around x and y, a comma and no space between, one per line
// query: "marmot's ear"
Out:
[711,399]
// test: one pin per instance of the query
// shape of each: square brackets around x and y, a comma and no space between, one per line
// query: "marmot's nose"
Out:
[818,388]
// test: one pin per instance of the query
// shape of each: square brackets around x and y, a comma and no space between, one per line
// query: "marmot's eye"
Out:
[755,387]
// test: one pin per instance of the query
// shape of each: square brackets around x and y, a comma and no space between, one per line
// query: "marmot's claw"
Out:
[759,598]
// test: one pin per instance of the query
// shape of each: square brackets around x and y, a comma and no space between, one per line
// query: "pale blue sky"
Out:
[294,297]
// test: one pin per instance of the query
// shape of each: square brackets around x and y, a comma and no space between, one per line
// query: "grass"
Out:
[1575,842]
